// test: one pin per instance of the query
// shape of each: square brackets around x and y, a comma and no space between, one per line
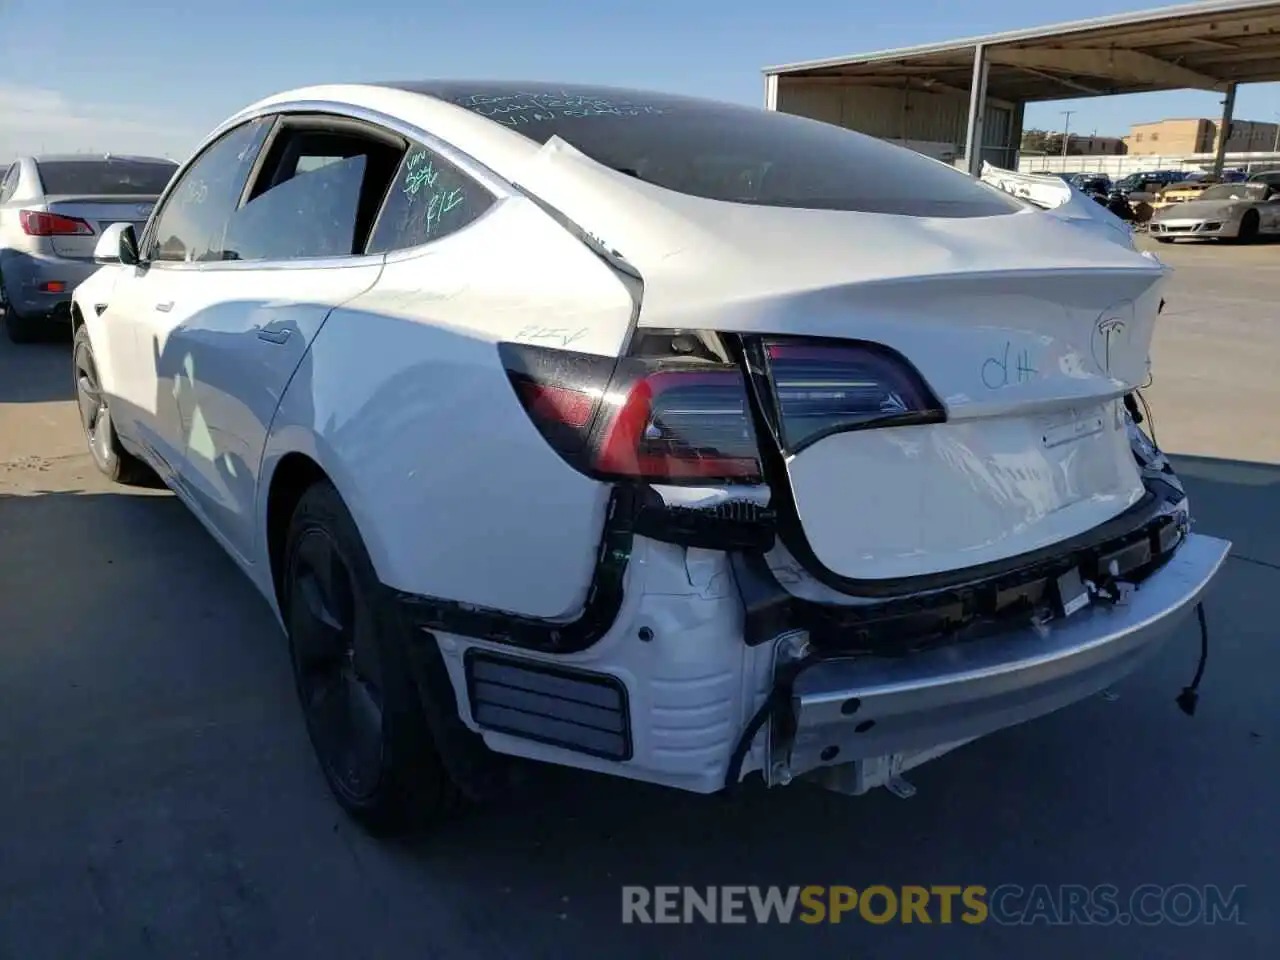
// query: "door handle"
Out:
[165,307]
[274,336]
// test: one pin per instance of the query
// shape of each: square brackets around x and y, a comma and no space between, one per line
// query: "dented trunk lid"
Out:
[1028,327]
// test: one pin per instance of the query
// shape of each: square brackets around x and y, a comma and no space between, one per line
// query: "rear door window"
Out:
[105,177]
[429,199]
[317,194]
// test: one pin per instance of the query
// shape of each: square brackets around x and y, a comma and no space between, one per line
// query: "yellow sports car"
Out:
[1181,192]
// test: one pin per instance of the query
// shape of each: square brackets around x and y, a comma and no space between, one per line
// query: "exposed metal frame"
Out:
[977,110]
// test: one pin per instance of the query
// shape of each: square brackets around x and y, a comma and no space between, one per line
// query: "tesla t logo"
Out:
[1108,338]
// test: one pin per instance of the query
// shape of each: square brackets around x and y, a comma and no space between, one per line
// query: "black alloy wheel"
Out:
[355,681]
[339,678]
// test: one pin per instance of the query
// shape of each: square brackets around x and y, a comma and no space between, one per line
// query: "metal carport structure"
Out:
[974,90]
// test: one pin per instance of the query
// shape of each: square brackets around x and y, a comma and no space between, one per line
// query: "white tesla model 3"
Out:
[643,434]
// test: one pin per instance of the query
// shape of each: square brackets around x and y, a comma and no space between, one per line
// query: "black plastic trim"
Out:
[732,525]
[274,132]
[561,706]
[906,624]
[477,771]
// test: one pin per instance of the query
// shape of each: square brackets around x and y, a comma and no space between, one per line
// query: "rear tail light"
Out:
[681,424]
[680,419]
[677,410]
[37,223]
[825,387]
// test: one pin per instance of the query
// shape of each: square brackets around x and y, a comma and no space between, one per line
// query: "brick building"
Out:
[1185,135]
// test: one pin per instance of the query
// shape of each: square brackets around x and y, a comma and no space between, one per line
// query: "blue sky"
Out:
[153,76]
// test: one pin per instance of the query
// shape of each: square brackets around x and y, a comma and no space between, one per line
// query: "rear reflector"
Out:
[821,388]
[54,286]
[38,223]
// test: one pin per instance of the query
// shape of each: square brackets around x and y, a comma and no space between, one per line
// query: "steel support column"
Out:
[1013,145]
[1224,129]
[977,111]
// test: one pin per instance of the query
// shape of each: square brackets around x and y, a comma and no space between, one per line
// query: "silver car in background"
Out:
[52,211]
[1233,211]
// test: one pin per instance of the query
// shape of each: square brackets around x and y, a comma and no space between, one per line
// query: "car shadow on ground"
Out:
[165,801]
[36,372]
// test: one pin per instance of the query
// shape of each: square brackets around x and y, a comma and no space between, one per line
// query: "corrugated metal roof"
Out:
[1205,46]
[1157,17]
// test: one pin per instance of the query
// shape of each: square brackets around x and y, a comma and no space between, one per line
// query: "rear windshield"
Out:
[110,177]
[739,154]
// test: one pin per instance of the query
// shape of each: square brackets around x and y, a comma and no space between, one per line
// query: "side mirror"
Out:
[118,244]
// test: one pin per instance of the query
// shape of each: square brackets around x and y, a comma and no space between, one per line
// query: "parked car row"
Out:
[670,439]
[53,210]
[1223,211]
[1189,205]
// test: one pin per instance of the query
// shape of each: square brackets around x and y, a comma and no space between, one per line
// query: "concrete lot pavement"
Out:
[160,799]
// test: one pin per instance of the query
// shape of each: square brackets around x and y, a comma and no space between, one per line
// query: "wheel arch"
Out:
[294,474]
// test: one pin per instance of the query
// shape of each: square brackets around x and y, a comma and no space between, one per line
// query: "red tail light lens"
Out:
[681,425]
[675,413]
[821,388]
[673,420]
[37,223]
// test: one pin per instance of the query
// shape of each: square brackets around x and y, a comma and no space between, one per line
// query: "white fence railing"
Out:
[1118,166]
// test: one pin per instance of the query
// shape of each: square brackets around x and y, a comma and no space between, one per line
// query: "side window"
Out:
[191,225]
[316,195]
[429,199]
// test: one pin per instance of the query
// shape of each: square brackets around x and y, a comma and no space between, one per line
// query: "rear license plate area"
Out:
[1071,426]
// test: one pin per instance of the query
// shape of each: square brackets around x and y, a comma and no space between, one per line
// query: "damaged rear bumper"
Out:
[885,710]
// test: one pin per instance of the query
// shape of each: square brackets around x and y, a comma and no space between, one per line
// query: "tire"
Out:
[353,676]
[1248,227]
[111,459]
